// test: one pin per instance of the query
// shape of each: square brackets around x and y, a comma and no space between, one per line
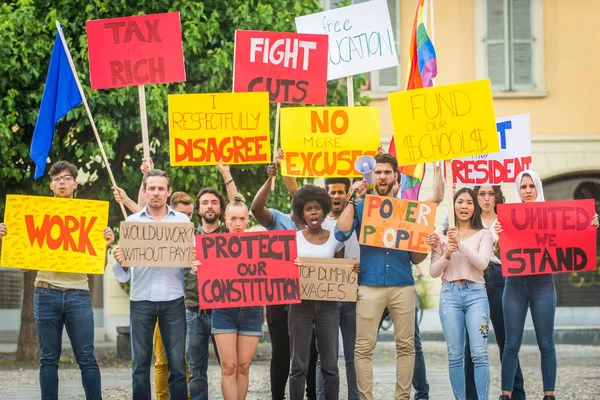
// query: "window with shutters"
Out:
[509,44]
[384,80]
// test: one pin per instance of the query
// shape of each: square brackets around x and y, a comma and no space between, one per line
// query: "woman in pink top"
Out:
[460,258]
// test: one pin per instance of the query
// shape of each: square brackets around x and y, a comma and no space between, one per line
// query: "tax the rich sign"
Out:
[398,224]
[157,244]
[326,141]
[503,167]
[547,237]
[444,122]
[361,38]
[204,128]
[131,51]
[292,67]
[247,269]
[55,234]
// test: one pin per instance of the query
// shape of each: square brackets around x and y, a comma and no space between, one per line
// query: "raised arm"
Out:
[290,182]
[259,204]
[121,197]
[438,186]
[147,166]
[229,182]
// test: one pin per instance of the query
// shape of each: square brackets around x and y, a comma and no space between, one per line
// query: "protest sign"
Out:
[361,38]
[157,244]
[131,51]
[292,67]
[328,279]
[444,122]
[204,128]
[547,237]
[55,234]
[326,141]
[247,269]
[394,223]
[503,167]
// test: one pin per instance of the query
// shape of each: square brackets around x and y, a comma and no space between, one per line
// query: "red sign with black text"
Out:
[131,51]
[247,269]
[292,67]
[547,237]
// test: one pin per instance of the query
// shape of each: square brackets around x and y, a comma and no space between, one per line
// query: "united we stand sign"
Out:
[292,67]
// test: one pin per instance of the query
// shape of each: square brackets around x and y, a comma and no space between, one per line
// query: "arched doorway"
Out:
[580,289]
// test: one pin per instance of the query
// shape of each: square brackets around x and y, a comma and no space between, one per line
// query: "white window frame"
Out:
[376,90]
[481,72]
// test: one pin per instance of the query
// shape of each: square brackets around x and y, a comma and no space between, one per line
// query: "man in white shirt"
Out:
[156,293]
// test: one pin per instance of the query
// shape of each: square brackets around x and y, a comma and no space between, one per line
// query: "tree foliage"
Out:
[208,28]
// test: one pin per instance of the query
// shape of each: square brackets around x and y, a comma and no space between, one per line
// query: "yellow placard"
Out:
[444,122]
[394,223]
[204,128]
[326,141]
[55,234]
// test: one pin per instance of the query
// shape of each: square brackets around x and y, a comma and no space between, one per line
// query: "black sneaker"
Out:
[504,397]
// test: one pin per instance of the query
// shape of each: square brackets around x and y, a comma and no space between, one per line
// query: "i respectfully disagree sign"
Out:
[132,51]
[291,67]
[55,234]
[204,128]
[247,269]
[361,38]
[503,167]
[398,224]
[157,244]
[547,237]
[444,122]
[326,141]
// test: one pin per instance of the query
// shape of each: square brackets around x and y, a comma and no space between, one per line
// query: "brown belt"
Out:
[46,285]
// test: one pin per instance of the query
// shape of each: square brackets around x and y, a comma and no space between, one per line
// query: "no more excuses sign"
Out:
[133,51]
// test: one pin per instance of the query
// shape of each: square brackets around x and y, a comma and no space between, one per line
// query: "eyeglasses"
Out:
[57,178]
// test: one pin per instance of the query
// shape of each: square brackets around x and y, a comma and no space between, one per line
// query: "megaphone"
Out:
[365,165]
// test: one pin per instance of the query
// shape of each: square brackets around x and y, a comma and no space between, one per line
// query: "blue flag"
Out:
[60,96]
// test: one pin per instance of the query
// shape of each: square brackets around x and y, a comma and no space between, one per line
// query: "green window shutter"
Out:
[496,43]
[521,17]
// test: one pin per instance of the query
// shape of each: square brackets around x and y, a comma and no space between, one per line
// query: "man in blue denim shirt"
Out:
[385,280]
[156,293]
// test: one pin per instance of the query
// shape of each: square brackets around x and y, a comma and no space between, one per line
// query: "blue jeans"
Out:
[196,343]
[72,309]
[171,322]
[539,294]
[466,306]
[347,311]
[495,287]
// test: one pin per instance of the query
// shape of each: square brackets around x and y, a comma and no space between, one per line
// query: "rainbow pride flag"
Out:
[423,68]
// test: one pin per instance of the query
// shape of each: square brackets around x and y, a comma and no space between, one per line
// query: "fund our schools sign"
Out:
[398,224]
[55,234]
[514,135]
[291,67]
[361,37]
[326,141]
[133,51]
[444,122]
[247,269]
[547,237]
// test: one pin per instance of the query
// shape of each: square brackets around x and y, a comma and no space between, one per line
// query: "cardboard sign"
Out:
[247,269]
[326,141]
[292,67]
[55,234]
[157,244]
[398,224]
[444,122]
[361,38]
[133,51]
[328,279]
[204,128]
[503,167]
[547,237]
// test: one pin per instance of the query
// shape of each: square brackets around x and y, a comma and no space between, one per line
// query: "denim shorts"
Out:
[245,321]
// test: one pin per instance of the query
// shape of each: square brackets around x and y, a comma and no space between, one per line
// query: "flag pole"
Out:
[144,121]
[276,140]
[350,90]
[87,109]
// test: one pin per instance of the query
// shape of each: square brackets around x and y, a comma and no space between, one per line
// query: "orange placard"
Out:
[394,223]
